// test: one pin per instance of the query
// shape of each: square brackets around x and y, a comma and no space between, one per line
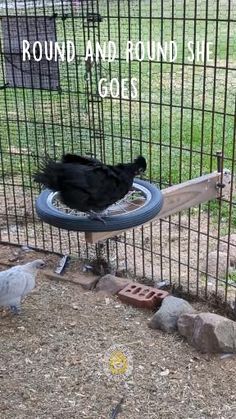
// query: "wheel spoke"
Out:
[135,198]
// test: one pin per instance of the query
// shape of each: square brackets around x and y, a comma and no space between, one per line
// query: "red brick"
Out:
[141,296]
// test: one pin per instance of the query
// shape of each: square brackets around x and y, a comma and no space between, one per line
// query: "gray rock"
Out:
[111,285]
[226,259]
[208,332]
[162,285]
[217,269]
[231,249]
[166,317]
[185,325]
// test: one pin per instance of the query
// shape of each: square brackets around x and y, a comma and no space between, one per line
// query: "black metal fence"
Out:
[178,112]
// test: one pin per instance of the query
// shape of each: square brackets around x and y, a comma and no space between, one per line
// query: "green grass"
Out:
[154,124]
[232,276]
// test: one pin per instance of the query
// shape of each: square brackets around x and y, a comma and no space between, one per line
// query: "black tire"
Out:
[53,216]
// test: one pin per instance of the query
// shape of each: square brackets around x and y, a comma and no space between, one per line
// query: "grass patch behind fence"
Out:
[183,113]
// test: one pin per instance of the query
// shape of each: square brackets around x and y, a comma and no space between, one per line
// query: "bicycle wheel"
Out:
[142,203]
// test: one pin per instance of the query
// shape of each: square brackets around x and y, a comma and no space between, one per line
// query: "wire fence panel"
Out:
[174,104]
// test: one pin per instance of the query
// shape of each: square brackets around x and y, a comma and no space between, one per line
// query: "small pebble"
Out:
[225,356]
[165,372]
[21,328]
[26,249]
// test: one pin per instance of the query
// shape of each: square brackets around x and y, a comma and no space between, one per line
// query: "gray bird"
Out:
[16,283]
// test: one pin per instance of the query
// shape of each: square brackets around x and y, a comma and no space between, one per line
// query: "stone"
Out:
[162,285]
[52,275]
[167,316]
[208,332]
[223,247]
[185,325]
[210,267]
[111,285]
[222,255]
[87,281]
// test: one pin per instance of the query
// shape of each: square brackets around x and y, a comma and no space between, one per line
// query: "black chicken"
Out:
[86,184]
[84,160]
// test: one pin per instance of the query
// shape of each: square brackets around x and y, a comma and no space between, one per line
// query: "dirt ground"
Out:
[163,250]
[53,359]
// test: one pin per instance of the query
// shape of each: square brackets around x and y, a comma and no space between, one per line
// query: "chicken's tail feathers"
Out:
[49,174]
[84,160]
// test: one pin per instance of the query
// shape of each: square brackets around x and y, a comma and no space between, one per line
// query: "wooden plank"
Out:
[179,197]
[189,194]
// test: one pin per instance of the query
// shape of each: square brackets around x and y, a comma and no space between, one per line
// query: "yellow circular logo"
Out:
[118,362]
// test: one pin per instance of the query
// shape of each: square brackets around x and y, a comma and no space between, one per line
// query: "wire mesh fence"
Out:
[182,112]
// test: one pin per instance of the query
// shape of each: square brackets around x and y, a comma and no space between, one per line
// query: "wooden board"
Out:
[179,197]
